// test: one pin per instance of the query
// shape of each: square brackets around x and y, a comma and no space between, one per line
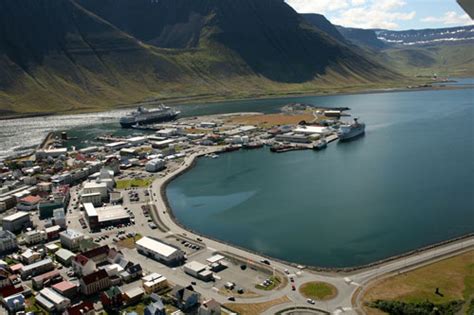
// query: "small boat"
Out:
[322,144]
[213,156]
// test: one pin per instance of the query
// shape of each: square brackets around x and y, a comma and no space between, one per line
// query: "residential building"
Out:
[95,282]
[209,307]
[46,279]
[28,203]
[29,256]
[36,268]
[35,237]
[7,242]
[14,303]
[82,265]
[133,295]
[154,282]
[64,256]
[112,298]
[185,298]
[71,239]
[155,308]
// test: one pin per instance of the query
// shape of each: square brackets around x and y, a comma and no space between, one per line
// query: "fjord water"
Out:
[407,183]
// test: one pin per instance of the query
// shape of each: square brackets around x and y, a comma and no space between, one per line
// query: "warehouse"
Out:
[16,222]
[52,301]
[313,130]
[105,216]
[198,270]
[159,251]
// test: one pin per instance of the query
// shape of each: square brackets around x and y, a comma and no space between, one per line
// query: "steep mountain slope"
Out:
[267,34]
[452,35]
[320,22]
[61,55]
[362,37]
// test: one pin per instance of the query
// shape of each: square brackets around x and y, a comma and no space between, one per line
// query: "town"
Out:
[84,233]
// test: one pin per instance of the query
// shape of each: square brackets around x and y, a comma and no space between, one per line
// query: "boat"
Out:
[253,145]
[143,116]
[322,144]
[348,132]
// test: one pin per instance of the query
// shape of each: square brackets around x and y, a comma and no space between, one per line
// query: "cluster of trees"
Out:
[422,308]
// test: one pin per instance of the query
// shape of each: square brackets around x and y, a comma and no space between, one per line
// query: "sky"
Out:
[387,14]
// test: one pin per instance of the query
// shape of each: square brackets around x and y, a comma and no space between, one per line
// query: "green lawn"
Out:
[129,183]
[318,290]
[454,277]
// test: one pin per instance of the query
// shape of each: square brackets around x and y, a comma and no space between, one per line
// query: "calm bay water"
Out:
[408,183]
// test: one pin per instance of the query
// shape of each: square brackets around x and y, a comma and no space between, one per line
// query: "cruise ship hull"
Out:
[355,133]
[150,120]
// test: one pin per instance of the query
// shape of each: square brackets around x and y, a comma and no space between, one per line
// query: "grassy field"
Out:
[318,290]
[453,276]
[129,183]
[256,308]
[129,242]
[271,120]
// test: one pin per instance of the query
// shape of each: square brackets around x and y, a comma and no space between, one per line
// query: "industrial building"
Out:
[52,301]
[198,270]
[155,165]
[16,222]
[160,251]
[105,216]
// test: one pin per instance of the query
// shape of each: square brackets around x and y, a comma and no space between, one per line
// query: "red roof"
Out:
[47,275]
[64,286]
[102,250]
[81,259]
[16,267]
[95,277]
[31,199]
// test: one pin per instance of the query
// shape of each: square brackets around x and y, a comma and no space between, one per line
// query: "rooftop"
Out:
[156,246]
[16,216]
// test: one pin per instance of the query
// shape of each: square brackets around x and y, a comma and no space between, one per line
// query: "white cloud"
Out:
[358,13]
[317,6]
[372,18]
[449,18]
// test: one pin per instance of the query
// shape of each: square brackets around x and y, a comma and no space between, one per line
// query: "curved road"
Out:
[346,284]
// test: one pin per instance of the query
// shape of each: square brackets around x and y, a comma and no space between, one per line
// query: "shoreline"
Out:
[332,270]
[215,99]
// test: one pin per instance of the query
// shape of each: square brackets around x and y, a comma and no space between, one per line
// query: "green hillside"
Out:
[444,60]
[86,55]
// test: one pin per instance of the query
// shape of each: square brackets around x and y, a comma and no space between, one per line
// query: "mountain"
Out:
[320,22]
[362,37]
[452,35]
[82,55]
